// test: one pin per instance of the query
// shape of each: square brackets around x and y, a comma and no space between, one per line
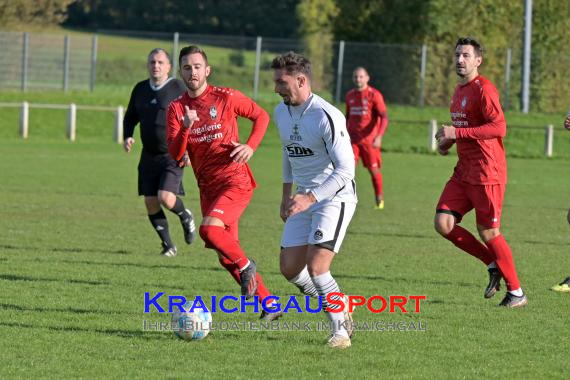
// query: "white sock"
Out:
[493,265]
[304,283]
[517,292]
[325,284]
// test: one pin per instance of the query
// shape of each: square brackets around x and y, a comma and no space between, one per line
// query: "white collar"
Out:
[155,87]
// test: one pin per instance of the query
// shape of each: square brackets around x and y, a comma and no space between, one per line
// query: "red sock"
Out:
[505,262]
[222,241]
[465,241]
[377,183]
[262,291]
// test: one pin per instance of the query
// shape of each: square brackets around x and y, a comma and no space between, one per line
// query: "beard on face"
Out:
[194,83]
[458,71]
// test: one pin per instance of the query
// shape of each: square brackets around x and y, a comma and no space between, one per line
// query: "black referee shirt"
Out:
[148,107]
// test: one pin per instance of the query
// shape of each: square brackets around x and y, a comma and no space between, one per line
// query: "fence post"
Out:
[339,71]
[119,125]
[71,122]
[423,75]
[93,63]
[507,78]
[24,113]
[257,67]
[175,39]
[432,129]
[65,63]
[548,140]
[25,47]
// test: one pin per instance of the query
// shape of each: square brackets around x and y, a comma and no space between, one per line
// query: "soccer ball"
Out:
[191,325]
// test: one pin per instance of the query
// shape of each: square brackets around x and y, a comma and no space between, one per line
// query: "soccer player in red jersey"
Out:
[203,123]
[367,120]
[480,176]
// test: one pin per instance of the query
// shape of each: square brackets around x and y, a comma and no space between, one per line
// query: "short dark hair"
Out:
[192,49]
[470,41]
[159,50]
[292,63]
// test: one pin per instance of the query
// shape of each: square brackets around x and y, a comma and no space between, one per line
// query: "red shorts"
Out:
[458,198]
[227,205]
[371,156]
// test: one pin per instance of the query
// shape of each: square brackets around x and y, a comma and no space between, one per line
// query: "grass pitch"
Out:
[77,254]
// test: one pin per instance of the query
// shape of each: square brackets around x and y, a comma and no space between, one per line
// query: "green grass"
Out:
[77,254]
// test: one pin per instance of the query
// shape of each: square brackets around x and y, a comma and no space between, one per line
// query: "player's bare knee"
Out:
[443,224]
[166,198]
[487,234]
[288,267]
[316,268]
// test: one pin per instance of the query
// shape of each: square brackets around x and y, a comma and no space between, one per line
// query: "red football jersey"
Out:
[209,140]
[366,115]
[480,127]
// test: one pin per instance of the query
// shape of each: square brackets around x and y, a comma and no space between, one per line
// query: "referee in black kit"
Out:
[160,177]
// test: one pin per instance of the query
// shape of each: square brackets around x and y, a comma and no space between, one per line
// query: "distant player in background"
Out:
[480,176]
[317,157]
[564,286]
[367,120]
[160,177]
[203,124]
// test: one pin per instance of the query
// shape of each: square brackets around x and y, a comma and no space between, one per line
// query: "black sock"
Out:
[179,208]
[160,224]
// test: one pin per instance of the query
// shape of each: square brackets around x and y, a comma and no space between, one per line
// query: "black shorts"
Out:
[159,172]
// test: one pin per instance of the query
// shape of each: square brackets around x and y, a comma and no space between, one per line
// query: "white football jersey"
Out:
[317,154]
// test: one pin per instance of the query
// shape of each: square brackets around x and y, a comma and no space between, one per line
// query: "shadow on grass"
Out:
[70,250]
[397,235]
[8,306]
[14,277]
[121,333]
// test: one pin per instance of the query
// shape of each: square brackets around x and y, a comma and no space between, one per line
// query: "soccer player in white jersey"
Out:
[318,159]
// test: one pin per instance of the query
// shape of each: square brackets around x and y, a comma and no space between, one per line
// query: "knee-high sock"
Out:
[262,291]
[504,260]
[160,225]
[222,241]
[305,284]
[325,284]
[377,183]
[465,241]
[179,208]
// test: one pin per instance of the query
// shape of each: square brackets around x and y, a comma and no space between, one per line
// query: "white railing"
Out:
[71,124]
[548,138]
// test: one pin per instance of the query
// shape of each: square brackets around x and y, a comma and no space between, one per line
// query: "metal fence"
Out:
[40,61]
[414,75]
[405,74]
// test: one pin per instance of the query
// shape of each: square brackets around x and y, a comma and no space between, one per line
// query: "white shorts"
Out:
[323,224]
